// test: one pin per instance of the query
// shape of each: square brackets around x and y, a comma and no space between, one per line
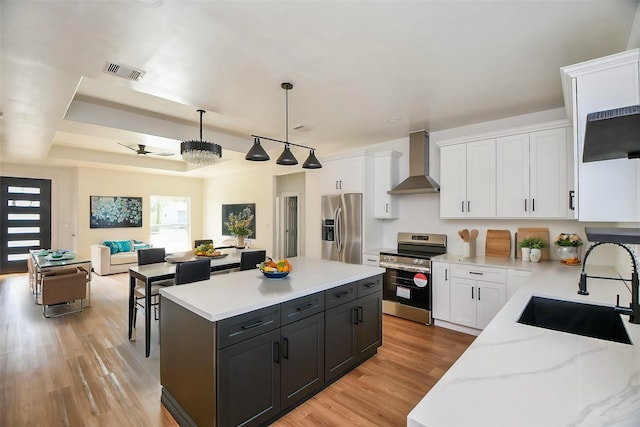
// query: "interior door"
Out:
[291,226]
[25,222]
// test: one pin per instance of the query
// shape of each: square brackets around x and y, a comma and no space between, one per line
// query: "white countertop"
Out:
[519,375]
[227,295]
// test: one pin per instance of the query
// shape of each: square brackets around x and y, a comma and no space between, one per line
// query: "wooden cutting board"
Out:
[541,232]
[498,243]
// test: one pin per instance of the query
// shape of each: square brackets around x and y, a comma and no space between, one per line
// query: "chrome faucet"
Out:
[633,311]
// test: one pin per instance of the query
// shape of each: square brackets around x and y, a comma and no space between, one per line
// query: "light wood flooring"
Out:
[81,369]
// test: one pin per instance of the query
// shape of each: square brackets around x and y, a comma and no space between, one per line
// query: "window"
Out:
[170,226]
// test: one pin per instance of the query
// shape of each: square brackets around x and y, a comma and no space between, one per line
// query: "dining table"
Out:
[151,273]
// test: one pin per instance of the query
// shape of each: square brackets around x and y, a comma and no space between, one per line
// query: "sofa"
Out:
[115,256]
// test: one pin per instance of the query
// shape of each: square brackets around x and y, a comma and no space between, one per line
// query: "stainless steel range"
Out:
[407,281]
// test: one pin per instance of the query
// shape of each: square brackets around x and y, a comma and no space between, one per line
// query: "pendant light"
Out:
[200,152]
[258,154]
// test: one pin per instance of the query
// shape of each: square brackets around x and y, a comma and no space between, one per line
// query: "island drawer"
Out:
[340,295]
[369,286]
[300,308]
[244,326]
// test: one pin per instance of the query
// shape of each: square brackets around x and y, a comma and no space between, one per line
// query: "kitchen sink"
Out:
[590,320]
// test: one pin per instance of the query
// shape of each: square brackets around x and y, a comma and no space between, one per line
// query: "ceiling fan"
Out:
[142,150]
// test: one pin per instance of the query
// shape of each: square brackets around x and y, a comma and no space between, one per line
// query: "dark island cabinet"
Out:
[353,325]
[248,370]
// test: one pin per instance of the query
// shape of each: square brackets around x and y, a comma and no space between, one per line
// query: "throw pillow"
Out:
[113,246]
[123,245]
[140,245]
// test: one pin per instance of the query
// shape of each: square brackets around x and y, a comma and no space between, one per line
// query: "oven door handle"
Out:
[411,268]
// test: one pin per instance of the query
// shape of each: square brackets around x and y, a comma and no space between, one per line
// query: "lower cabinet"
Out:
[248,369]
[477,294]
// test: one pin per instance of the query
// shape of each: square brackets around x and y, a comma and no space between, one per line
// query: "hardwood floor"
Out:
[81,369]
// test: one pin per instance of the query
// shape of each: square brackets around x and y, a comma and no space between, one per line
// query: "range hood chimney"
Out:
[612,134]
[419,180]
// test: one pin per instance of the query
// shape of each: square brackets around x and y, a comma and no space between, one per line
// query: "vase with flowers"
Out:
[240,225]
[568,248]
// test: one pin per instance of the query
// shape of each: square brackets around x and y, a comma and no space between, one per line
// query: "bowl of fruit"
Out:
[275,270]
[208,251]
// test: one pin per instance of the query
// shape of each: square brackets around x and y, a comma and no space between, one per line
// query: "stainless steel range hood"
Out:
[419,180]
[612,134]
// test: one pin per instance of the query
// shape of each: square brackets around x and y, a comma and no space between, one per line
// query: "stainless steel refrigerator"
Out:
[342,227]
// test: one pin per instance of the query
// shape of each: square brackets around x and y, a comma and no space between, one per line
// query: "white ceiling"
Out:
[354,65]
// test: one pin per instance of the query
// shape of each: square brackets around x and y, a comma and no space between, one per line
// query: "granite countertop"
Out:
[227,295]
[519,375]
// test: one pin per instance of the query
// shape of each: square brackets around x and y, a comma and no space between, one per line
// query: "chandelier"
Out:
[257,153]
[200,152]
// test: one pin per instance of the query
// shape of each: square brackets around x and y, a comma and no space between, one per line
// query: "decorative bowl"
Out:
[275,274]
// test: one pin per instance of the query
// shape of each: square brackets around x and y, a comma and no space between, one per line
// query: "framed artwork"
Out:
[238,210]
[115,212]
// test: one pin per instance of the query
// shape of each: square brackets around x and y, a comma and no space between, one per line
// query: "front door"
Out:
[25,221]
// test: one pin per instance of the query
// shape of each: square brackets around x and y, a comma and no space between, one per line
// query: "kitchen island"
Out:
[243,349]
[519,375]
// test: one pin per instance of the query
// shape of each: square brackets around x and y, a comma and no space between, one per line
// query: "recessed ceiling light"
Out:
[393,119]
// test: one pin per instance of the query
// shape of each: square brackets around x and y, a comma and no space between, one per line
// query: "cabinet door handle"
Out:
[533,205]
[253,325]
[342,294]
[468,206]
[370,285]
[478,293]
[340,184]
[476,273]
[571,199]
[354,316]
[336,185]
[276,351]
[304,307]
[285,350]
[386,207]
[472,292]
[446,274]
[360,314]
[462,206]
[525,205]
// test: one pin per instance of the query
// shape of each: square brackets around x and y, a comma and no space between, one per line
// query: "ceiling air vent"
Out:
[124,71]
[303,128]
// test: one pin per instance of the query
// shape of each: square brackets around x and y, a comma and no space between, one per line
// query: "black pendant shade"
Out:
[287,158]
[311,162]
[257,153]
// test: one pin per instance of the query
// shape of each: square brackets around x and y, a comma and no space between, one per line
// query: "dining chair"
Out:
[249,259]
[197,243]
[193,271]
[145,257]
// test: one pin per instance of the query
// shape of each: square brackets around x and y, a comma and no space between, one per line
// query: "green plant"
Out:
[533,243]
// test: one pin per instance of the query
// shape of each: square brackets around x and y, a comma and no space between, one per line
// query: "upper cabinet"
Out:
[520,173]
[385,177]
[468,180]
[344,175]
[532,175]
[607,190]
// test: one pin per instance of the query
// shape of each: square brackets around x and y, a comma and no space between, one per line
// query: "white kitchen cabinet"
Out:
[477,294]
[531,175]
[370,258]
[440,285]
[606,190]
[385,177]
[344,175]
[468,180]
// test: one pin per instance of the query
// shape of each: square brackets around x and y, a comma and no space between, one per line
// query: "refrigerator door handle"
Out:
[338,235]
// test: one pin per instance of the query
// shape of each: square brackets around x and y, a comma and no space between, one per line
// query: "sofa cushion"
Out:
[124,245]
[124,258]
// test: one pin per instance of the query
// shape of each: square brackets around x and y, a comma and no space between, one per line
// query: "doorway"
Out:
[25,222]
